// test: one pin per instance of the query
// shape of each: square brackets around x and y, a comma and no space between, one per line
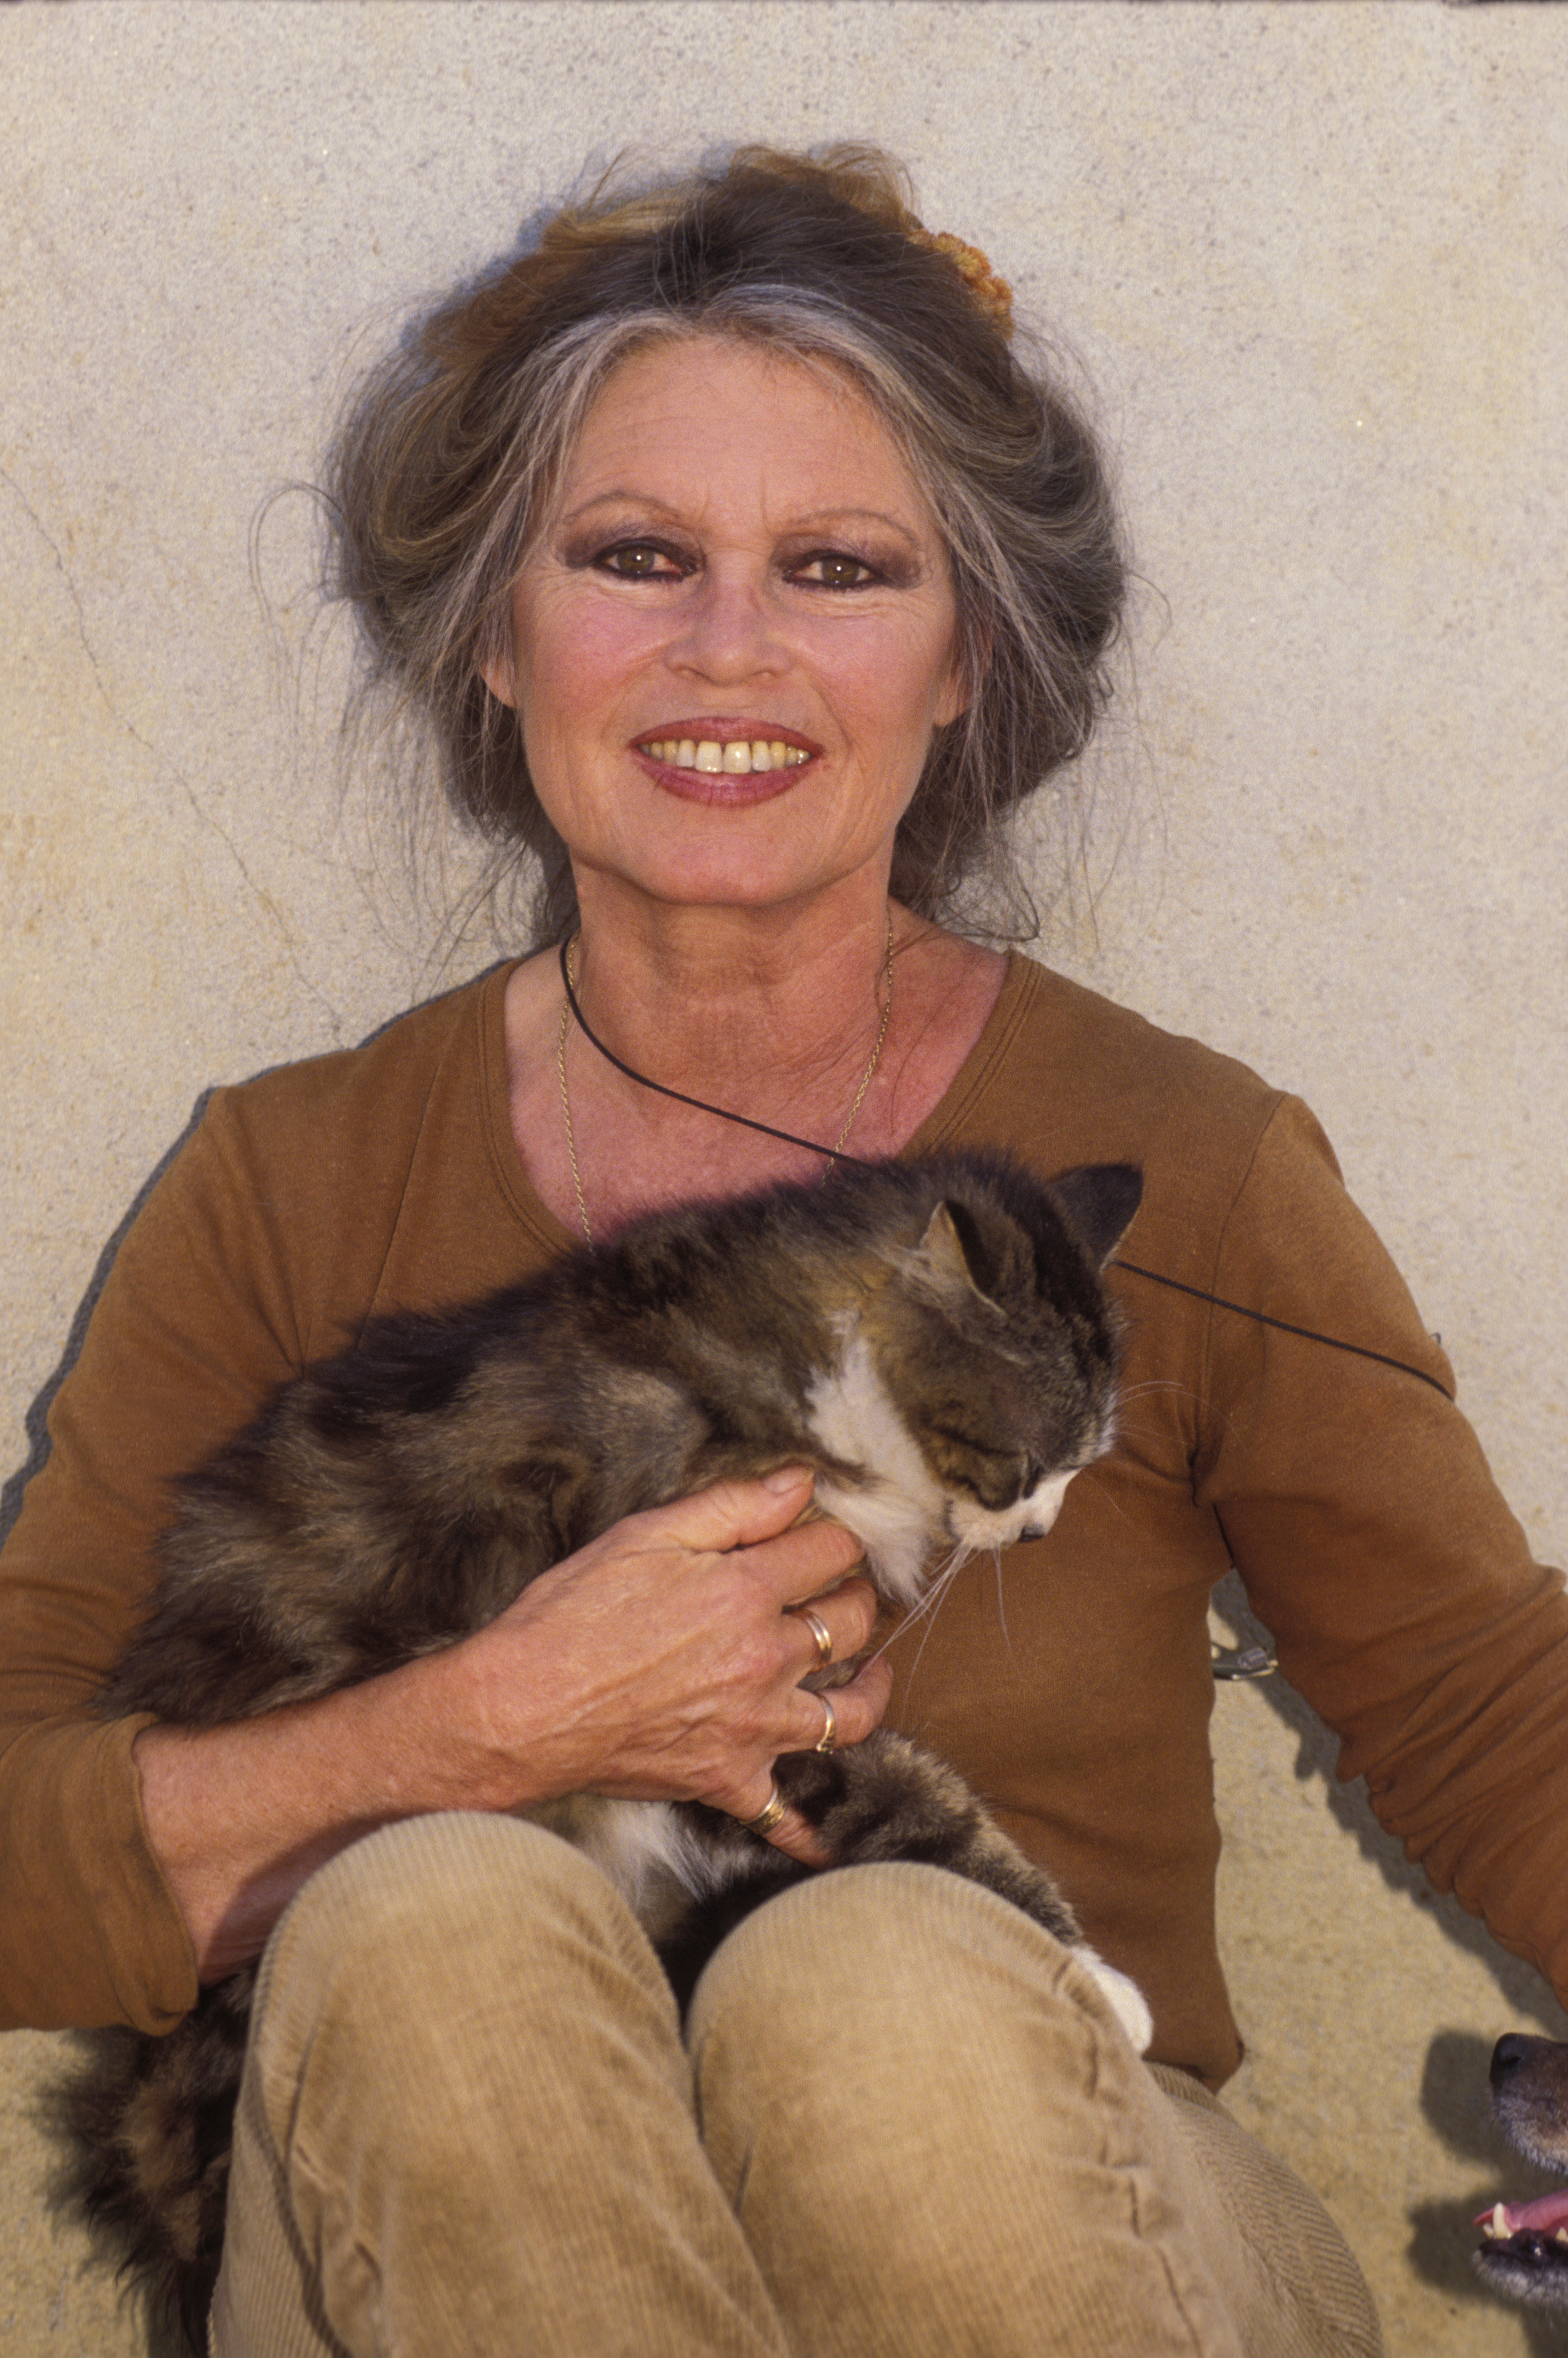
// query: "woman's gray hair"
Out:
[447,468]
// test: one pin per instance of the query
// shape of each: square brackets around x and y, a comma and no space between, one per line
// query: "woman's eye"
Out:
[639,560]
[833,571]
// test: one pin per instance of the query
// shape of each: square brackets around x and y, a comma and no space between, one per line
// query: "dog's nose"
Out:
[1511,2049]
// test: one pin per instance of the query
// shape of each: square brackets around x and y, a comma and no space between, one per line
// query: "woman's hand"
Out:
[662,1661]
[677,1659]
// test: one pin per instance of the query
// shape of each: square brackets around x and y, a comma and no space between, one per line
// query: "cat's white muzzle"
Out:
[975,1527]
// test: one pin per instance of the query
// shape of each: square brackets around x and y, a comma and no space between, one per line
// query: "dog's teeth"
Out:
[1561,2237]
[1497,2224]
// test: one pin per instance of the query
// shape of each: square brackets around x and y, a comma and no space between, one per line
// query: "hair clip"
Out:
[993,295]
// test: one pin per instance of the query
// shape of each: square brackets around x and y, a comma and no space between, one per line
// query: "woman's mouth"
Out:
[735,757]
[732,771]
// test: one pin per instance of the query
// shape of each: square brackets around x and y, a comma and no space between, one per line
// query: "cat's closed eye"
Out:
[997,1477]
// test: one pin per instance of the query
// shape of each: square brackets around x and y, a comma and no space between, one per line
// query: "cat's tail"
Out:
[146,2127]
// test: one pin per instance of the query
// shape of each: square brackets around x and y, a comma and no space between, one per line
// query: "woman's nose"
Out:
[730,633]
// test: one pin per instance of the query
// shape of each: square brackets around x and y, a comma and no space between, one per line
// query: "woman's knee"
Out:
[466,2092]
[891,1948]
[442,1921]
[884,1992]
[892,2062]
[448,1887]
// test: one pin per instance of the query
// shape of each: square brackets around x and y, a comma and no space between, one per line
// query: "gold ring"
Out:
[768,1817]
[829,1736]
[819,1630]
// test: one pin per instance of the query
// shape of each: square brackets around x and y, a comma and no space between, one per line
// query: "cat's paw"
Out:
[1126,2001]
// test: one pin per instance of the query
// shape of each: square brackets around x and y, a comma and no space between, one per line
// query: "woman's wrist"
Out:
[239,1816]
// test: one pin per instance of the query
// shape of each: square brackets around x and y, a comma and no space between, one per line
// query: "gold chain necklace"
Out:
[569,1007]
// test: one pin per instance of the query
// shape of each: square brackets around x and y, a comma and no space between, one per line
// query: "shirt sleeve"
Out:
[198,1321]
[299,1198]
[1375,1547]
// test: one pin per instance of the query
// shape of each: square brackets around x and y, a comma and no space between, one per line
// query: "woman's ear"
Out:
[966,668]
[498,675]
[953,697]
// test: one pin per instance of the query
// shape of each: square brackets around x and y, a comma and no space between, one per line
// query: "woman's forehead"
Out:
[697,413]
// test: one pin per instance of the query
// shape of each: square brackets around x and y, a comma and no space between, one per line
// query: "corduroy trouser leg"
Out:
[903,2123]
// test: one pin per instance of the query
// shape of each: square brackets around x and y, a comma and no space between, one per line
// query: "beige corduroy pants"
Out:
[903,2123]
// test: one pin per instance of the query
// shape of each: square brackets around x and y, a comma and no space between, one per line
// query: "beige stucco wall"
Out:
[1313,257]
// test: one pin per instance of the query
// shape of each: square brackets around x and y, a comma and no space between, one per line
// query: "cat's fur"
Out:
[931,1337]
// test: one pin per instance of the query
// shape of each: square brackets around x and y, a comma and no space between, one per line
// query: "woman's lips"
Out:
[729,768]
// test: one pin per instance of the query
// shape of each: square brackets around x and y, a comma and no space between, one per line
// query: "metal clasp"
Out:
[1242,1661]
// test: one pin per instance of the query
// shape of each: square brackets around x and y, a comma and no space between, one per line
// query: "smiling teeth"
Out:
[737,756]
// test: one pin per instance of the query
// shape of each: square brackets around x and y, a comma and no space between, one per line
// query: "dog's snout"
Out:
[1511,2049]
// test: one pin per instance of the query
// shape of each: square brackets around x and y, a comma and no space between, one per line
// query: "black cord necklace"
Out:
[836,1154]
[812,1146]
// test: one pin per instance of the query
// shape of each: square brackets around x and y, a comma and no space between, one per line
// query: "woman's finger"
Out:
[798,1839]
[851,1712]
[803,1563]
[827,1721]
[835,1623]
[788,1558]
[732,1514]
[780,1822]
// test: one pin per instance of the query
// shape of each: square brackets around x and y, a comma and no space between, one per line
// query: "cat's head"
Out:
[997,1341]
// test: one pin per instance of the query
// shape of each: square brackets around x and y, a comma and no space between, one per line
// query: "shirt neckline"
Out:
[946,1123]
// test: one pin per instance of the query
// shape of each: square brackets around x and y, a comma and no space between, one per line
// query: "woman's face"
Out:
[731,650]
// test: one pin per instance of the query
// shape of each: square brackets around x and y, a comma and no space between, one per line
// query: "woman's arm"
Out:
[304,1201]
[660,1662]
[1363,1517]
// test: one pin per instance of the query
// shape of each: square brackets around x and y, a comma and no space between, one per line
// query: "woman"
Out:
[745,578]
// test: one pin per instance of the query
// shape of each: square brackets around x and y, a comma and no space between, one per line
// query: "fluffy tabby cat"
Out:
[931,1337]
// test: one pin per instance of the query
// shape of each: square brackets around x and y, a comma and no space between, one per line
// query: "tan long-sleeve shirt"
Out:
[1072,1685]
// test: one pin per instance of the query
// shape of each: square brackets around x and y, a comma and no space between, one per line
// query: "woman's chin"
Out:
[726,876]
[718,839]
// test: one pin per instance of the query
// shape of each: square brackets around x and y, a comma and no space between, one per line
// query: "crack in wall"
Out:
[170,769]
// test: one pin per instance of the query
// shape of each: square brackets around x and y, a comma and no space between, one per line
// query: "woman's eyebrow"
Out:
[816,518]
[617,498]
[813,520]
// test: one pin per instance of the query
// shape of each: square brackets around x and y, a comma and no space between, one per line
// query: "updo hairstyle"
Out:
[444,473]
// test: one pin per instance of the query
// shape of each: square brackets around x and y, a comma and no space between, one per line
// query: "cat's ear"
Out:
[940,1259]
[1099,1201]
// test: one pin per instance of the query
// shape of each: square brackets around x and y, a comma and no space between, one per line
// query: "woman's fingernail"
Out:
[788,1478]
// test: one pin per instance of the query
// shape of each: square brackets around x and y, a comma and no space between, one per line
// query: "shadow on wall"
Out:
[36,1423]
[1318,1746]
[1454,2096]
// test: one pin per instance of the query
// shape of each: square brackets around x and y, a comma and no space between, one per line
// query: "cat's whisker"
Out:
[926,1609]
[937,1588]
[1156,1384]
[928,1613]
[1002,1601]
[1086,1474]
[1129,1403]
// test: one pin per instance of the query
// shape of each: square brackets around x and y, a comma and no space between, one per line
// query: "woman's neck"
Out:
[771,1014]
